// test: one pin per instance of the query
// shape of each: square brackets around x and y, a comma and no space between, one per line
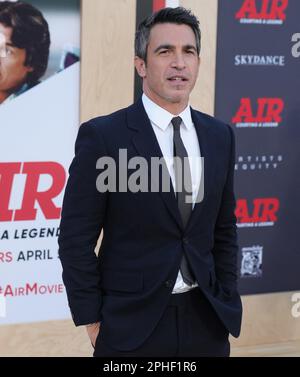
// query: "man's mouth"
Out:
[177,79]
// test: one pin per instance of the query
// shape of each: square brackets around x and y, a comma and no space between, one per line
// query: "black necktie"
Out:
[183,181]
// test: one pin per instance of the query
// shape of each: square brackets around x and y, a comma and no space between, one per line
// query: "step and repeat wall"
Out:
[247,78]
[257,93]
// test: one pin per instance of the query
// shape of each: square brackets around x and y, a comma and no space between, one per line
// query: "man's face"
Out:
[172,65]
[13,72]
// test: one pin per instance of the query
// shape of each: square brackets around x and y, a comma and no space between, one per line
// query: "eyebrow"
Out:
[170,47]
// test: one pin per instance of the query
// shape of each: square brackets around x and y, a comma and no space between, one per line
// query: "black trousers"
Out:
[189,327]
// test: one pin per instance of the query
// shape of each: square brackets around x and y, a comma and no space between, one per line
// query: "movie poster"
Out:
[39,119]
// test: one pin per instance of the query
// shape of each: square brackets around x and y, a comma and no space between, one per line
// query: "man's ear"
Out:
[140,66]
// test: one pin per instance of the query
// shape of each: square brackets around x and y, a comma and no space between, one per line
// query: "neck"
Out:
[174,108]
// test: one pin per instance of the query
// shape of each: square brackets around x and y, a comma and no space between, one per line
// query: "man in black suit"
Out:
[165,280]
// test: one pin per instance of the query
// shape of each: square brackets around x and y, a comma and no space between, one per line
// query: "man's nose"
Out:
[179,61]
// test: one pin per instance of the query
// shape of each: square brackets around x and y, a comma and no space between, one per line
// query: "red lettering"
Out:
[6,257]
[241,211]
[248,9]
[264,10]
[31,195]
[7,173]
[245,112]
[42,289]
[270,9]
[261,110]
[158,4]
[270,207]
[264,210]
[268,110]
[277,9]
[31,289]
[44,198]
[51,288]
[257,206]
[8,291]
[274,109]
[21,291]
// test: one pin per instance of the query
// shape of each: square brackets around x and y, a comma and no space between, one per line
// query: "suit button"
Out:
[185,241]
[169,283]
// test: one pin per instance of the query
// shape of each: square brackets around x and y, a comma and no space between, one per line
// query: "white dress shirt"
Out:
[161,122]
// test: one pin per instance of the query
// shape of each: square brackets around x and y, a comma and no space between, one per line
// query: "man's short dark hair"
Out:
[179,15]
[30,32]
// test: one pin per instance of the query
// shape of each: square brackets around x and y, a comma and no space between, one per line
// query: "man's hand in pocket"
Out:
[93,331]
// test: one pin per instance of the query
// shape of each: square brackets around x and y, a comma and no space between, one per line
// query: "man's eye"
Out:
[164,51]
[190,52]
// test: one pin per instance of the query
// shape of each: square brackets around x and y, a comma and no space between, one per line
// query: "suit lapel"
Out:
[146,144]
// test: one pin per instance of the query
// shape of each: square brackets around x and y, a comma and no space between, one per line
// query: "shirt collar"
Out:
[162,118]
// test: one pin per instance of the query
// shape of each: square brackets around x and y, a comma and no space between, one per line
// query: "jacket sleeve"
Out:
[81,223]
[225,249]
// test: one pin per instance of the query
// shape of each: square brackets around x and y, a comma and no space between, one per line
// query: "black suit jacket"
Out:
[128,286]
